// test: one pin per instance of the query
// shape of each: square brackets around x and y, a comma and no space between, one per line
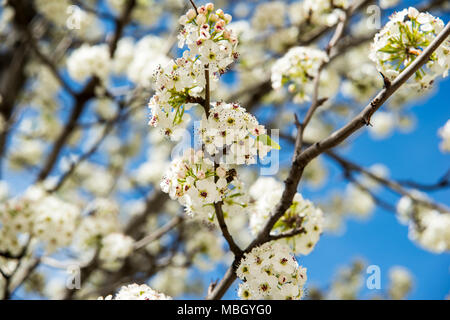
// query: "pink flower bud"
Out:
[209,6]
[221,172]
[201,10]
[182,174]
[201,174]
[199,156]
[219,26]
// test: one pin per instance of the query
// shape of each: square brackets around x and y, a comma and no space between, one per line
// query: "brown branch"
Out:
[46,60]
[107,129]
[158,233]
[287,234]
[120,25]
[80,102]
[207,102]
[193,5]
[392,185]
[443,182]
[223,227]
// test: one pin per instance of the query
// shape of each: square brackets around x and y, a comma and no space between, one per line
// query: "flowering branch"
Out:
[300,160]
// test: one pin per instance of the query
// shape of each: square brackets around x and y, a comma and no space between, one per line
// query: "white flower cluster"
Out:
[428,227]
[271,271]
[403,39]
[444,133]
[192,180]
[385,4]
[383,124]
[101,221]
[37,214]
[358,201]
[400,282]
[115,247]
[16,217]
[211,46]
[362,77]
[88,61]
[297,68]
[318,12]
[269,14]
[142,59]
[55,222]
[137,292]
[234,133]
[301,214]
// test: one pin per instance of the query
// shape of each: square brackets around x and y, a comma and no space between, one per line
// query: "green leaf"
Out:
[264,138]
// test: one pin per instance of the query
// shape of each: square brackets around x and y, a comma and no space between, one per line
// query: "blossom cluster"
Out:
[403,39]
[137,292]
[271,271]
[89,61]
[102,219]
[37,214]
[297,68]
[400,282]
[206,34]
[234,133]
[114,248]
[197,183]
[318,12]
[140,60]
[302,214]
[428,227]
[211,47]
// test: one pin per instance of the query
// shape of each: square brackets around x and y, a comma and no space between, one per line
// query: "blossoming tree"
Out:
[123,196]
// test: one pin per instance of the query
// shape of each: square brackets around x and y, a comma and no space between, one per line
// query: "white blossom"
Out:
[114,248]
[400,282]
[302,214]
[297,68]
[402,39]
[271,272]
[137,292]
[230,129]
[193,180]
[88,61]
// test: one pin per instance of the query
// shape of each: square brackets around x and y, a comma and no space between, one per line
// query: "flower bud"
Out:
[201,19]
[191,14]
[221,172]
[227,18]
[201,10]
